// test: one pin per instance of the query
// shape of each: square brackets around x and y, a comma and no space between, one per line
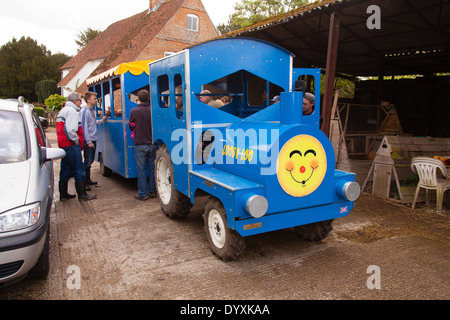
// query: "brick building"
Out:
[168,26]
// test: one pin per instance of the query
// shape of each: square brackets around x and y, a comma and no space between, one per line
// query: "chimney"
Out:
[154,4]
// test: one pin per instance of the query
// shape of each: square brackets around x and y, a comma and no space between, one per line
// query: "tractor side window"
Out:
[179,96]
[163,91]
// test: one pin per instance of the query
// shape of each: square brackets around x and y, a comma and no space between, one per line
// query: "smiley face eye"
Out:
[295,152]
[310,151]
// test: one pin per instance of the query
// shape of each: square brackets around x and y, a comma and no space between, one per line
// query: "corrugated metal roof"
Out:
[414,37]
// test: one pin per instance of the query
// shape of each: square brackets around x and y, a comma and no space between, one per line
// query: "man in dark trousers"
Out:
[145,151]
[70,138]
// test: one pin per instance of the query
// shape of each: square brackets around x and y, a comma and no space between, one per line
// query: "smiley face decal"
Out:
[301,165]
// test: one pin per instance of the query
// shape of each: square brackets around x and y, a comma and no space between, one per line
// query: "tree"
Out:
[23,63]
[45,88]
[248,12]
[86,36]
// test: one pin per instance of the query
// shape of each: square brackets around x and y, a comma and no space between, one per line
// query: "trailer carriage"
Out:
[117,91]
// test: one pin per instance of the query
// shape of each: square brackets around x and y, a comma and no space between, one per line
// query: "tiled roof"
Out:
[122,41]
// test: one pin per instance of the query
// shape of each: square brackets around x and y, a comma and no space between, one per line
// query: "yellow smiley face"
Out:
[301,165]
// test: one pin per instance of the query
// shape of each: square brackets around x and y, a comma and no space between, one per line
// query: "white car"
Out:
[26,192]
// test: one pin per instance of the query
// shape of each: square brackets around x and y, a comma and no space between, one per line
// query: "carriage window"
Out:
[192,22]
[106,99]
[98,108]
[133,96]
[163,91]
[117,98]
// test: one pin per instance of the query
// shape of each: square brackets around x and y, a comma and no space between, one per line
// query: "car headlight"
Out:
[20,218]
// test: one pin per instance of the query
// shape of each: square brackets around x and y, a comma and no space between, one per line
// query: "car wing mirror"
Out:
[52,153]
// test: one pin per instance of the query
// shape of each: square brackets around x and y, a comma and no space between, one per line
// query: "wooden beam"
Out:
[333,41]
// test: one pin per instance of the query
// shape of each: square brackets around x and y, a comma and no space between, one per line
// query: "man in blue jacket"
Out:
[145,151]
[90,123]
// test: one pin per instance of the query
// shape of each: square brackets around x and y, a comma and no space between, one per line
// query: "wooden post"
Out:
[333,41]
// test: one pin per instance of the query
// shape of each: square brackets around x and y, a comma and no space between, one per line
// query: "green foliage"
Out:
[86,36]
[346,87]
[45,88]
[55,101]
[23,63]
[40,111]
[248,12]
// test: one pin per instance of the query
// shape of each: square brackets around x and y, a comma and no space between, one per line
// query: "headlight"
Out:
[255,205]
[20,218]
[348,189]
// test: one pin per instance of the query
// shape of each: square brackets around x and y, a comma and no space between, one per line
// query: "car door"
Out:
[44,180]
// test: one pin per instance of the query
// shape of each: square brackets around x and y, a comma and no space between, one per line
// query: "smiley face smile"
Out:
[303,182]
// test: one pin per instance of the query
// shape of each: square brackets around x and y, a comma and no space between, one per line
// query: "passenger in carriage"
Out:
[206,98]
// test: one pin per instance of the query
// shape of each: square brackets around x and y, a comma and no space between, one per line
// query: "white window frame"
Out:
[192,22]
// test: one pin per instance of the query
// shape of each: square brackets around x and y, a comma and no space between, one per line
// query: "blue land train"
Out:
[227,115]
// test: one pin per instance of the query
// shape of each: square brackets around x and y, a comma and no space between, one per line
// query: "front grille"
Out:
[8,269]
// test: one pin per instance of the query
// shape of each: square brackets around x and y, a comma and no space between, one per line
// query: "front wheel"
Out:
[225,243]
[315,231]
[42,266]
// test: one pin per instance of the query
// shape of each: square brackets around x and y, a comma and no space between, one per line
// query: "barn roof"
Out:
[414,36]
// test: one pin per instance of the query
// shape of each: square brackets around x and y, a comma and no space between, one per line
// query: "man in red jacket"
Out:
[70,138]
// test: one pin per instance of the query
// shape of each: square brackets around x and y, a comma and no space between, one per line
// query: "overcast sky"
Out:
[55,23]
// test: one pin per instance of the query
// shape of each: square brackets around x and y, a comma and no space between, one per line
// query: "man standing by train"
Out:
[70,138]
[89,124]
[145,151]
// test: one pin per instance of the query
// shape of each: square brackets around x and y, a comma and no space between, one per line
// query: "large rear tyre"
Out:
[225,243]
[315,231]
[174,204]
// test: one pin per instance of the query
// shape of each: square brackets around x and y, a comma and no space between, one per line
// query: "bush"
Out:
[40,111]
[55,102]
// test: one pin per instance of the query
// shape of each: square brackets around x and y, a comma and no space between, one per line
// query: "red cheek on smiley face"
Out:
[314,163]
[290,165]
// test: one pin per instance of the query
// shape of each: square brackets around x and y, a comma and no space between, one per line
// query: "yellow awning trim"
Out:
[135,68]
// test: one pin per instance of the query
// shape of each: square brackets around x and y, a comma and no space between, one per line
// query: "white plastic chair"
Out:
[429,178]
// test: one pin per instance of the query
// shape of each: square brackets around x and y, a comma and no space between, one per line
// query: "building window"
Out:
[192,22]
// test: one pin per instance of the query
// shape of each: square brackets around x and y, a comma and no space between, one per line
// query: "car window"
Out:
[40,135]
[13,147]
